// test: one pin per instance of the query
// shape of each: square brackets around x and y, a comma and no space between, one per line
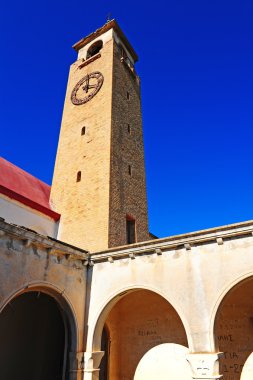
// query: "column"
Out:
[91,365]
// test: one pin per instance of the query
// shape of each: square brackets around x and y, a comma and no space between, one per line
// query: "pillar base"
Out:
[91,374]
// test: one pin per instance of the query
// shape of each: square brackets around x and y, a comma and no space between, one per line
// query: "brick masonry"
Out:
[127,192]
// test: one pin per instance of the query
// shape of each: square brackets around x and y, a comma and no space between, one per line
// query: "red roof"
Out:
[17,184]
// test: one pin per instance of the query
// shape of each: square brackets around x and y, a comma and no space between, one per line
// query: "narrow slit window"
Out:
[130,231]
[130,170]
[79,176]
[128,95]
[129,129]
[83,131]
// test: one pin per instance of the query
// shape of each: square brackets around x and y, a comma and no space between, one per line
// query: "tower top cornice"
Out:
[109,25]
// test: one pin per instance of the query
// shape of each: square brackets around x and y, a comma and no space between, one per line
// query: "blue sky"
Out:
[195,63]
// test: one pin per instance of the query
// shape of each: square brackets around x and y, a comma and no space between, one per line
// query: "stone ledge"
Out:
[30,237]
[89,60]
[186,241]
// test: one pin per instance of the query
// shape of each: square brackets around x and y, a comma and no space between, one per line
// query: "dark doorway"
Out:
[105,346]
[32,339]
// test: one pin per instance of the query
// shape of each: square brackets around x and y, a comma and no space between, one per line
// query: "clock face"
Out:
[86,88]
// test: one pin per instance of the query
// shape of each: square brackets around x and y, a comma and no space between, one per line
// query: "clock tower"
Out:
[99,178]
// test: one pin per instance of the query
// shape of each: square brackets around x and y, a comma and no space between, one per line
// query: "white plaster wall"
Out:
[193,281]
[17,213]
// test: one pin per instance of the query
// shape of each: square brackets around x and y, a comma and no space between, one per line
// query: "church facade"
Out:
[86,291]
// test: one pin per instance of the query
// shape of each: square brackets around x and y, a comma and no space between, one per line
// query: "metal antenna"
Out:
[108,17]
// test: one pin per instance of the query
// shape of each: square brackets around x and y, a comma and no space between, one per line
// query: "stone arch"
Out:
[94,49]
[233,327]
[147,317]
[61,311]
[94,338]
[224,291]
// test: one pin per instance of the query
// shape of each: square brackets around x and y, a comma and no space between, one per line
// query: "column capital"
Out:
[91,364]
[205,365]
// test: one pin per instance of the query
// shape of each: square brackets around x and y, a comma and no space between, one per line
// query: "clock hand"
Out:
[87,86]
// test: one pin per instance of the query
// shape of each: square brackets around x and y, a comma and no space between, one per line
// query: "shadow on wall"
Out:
[234,332]
[138,322]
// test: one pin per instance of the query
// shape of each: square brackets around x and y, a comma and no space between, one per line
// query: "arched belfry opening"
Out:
[234,332]
[139,321]
[94,49]
[34,339]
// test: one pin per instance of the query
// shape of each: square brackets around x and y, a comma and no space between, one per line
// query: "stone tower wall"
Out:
[84,205]
[127,192]
[94,210]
